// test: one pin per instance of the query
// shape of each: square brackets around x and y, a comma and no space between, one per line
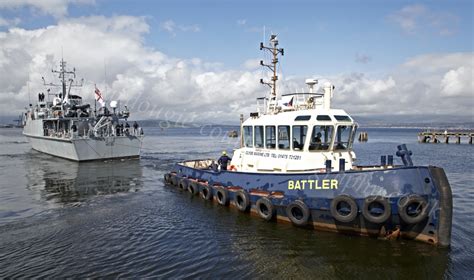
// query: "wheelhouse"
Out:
[307,133]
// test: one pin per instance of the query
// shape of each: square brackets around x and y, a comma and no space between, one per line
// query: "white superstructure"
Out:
[297,132]
[66,127]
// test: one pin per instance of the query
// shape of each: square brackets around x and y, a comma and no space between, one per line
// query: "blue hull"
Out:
[369,189]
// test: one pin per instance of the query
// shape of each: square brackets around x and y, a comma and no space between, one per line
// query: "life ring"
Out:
[265,208]
[337,208]
[380,202]
[183,184]
[232,168]
[206,192]
[222,195]
[242,200]
[193,187]
[405,205]
[174,179]
[298,213]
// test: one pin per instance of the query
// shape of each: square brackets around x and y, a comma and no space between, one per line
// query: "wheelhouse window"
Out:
[248,136]
[270,137]
[303,118]
[321,138]
[353,135]
[323,118]
[284,137]
[258,136]
[299,136]
[343,136]
[342,118]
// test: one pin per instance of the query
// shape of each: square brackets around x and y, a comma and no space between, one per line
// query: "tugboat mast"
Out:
[273,65]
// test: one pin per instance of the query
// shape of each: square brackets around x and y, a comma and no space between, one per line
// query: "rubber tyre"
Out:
[407,201]
[265,208]
[222,195]
[206,192]
[174,180]
[242,200]
[298,213]
[387,212]
[183,184]
[167,178]
[341,217]
[193,187]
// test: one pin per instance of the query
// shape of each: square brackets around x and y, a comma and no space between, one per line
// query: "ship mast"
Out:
[63,72]
[275,51]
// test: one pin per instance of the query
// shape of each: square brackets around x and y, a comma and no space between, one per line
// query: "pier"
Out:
[438,136]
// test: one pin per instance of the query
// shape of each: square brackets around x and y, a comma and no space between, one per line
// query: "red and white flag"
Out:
[98,97]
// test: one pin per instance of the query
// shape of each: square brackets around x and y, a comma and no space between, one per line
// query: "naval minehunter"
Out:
[296,164]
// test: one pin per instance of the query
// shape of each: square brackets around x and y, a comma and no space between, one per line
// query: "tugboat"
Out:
[296,164]
[68,128]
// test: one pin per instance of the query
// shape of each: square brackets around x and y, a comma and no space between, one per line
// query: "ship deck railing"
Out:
[298,100]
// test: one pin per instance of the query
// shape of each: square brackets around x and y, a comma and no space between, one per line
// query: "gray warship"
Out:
[69,128]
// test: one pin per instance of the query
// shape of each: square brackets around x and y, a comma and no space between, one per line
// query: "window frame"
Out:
[274,139]
[245,135]
[288,135]
[262,136]
[302,145]
[330,140]
[334,147]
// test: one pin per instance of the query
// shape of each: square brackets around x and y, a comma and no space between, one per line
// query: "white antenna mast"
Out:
[28,83]
[105,77]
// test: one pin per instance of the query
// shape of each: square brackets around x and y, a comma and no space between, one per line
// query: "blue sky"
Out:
[338,39]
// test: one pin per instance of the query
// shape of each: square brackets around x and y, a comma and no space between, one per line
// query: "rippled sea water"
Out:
[117,219]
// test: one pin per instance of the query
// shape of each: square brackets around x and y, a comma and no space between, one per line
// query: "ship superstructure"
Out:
[295,132]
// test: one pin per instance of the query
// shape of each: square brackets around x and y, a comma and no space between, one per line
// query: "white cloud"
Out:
[407,17]
[252,64]
[438,62]
[417,18]
[458,82]
[155,85]
[146,79]
[422,85]
[56,8]
[171,27]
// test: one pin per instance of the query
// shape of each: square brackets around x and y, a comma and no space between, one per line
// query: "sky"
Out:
[199,60]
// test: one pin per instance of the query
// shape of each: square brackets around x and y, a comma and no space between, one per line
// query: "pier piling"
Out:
[363,137]
[433,136]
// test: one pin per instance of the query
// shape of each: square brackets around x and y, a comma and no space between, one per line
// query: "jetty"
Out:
[438,136]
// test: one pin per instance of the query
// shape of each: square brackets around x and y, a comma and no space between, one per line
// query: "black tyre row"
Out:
[376,209]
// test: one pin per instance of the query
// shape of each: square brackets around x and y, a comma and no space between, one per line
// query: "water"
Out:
[117,219]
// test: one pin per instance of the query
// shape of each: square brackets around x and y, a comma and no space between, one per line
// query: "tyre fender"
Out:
[222,195]
[265,208]
[242,200]
[298,213]
[335,208]
[373,200]
[405,202]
